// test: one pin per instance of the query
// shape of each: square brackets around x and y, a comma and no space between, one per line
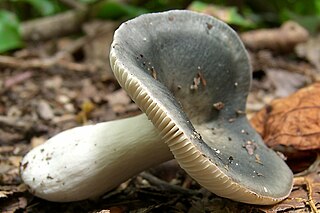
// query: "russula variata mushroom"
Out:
[85,162]
[190,74]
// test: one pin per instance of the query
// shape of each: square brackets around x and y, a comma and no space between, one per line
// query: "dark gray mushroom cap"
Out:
[190,74]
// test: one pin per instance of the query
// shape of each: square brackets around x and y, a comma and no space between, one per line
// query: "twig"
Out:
[7,61]
[165,185]
[16,79]
[310,199]
[15,123]
[161,205]
[305,181]
[282,39]
[265,60]
[55,26]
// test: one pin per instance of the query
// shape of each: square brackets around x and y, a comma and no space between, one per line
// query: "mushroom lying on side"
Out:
[190,74]
[85,162]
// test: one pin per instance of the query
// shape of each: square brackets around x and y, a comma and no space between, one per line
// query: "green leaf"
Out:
[198,6]
[44,7]
[229,15]
[9,31]
[88,1]
[317,5]
[111,9]
[237,19]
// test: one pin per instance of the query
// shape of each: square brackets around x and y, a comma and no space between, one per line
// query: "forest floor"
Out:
[54,85]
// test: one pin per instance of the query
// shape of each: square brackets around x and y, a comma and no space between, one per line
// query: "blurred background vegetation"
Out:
[241,14]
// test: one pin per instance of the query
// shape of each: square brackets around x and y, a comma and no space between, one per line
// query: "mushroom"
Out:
[190,74]
[85,162]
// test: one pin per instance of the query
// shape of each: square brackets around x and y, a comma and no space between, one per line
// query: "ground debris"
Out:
[250,146]
[292,121]
[291,126]
[265,60]
[311,51]
[44,90]
[305,195]
[282,39]
[13,204]
[45,111]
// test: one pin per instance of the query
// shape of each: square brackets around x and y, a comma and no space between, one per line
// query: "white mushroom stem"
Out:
[85,162]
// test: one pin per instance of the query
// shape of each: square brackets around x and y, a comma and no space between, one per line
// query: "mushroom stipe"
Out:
[155,58]
[85,162]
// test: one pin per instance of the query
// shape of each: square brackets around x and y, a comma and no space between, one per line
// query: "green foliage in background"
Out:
[29,9]
[244,15]
[306,13]
[111,9]
[43,7]
[9,31]
[229,14]
[88,1]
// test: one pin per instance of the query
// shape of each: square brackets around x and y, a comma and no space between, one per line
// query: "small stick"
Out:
[7,61]
[165,185]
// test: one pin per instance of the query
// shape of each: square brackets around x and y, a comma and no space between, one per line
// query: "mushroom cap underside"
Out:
[191,75]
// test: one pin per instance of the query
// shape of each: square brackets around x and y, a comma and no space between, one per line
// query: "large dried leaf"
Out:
[293,121]
[305,195]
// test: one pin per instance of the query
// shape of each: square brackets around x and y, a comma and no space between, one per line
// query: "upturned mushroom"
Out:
[190,74]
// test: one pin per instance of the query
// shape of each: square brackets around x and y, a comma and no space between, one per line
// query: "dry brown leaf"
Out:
[36,141]
[4,194]
[293,121]
[8,190]
[15,160]
[13,205]
[305,195]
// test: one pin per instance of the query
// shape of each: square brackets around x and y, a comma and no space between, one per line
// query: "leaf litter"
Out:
[46,90]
